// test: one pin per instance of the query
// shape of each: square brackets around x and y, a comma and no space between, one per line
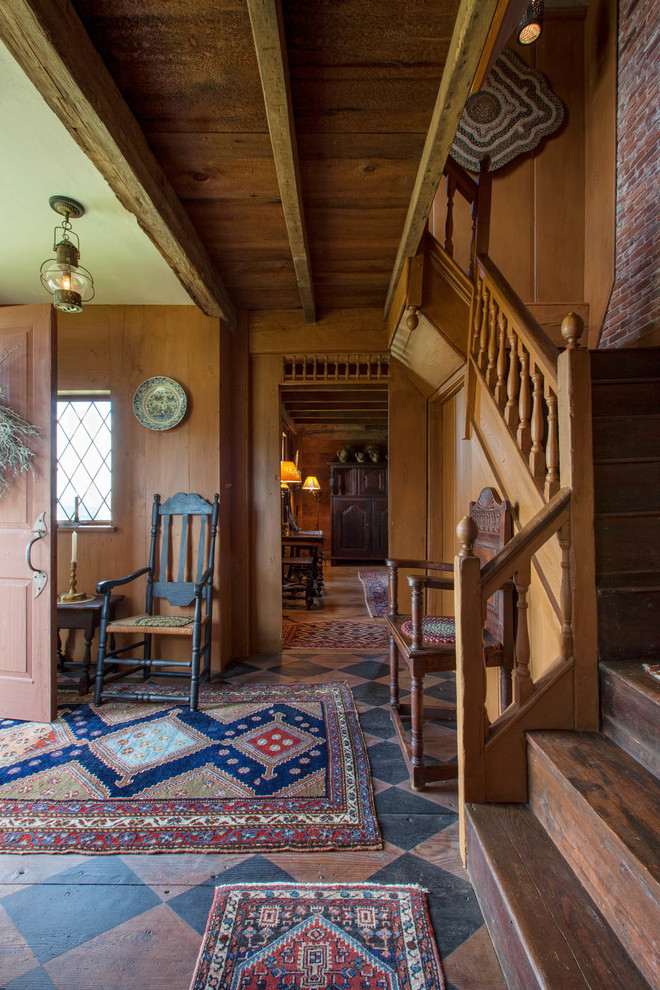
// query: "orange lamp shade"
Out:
[289,473]
[311,484]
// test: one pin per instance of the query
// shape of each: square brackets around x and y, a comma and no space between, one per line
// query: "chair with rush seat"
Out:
[428,642]
[183,532]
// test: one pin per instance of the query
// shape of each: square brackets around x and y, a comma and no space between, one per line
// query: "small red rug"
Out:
[318,937]
[375,592]
[256,768]
[335,634]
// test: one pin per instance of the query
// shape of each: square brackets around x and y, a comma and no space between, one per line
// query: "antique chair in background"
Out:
[176,525]
[428,642]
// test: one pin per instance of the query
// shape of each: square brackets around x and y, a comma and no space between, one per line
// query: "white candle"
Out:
[74,547]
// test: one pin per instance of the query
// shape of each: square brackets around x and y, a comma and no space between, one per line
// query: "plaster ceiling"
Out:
[38,159]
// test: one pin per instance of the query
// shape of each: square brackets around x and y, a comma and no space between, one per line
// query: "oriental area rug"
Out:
[256,768]
[319,937]
[375,592]
[335,634]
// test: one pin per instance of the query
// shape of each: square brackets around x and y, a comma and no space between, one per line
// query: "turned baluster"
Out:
[417,598]
[500,388]
[565,597]
[449,222]
[524,405]
[523,685]
[537,453]
[478,307]
[491,372]
[482,360]
[552,447]
[513,381]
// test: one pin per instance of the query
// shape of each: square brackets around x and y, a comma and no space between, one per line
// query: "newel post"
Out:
[576,473]
[470,673]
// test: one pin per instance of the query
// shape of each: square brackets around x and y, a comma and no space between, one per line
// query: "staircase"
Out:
[569,883]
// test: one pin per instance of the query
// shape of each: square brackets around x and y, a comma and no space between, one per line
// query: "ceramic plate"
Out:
[159,403]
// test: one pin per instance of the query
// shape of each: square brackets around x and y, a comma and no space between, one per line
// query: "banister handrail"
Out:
[524,544]
[543,350]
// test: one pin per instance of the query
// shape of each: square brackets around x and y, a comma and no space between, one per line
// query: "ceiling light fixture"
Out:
[62,276]
[531,25]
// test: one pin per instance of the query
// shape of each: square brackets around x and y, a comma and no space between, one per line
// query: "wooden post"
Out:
[449,222]
[523,685]
[470,673]
[500,388]
[537,453]
[524,404]
[566,602]
[552,448]
[482,359]
[491,373]
[513,382]
[576,473]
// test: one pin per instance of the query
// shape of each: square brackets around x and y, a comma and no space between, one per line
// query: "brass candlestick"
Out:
[72,595]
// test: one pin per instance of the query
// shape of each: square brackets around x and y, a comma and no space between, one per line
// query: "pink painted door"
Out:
[27,593]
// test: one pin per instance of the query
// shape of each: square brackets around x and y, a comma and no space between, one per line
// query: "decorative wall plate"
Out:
[159,403]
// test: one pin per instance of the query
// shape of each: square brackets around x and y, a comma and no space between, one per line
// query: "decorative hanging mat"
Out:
[512,112]
[435,629]
[321,936]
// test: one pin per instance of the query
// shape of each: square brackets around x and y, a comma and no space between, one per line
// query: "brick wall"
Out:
[634,308]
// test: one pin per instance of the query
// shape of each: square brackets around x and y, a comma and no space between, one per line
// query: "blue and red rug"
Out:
[375,592]
[256,768]
[319,937]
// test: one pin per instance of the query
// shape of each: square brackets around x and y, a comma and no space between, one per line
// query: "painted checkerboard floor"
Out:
[122,922]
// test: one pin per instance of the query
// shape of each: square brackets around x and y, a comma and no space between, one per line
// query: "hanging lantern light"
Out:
[531,25]
[68,282]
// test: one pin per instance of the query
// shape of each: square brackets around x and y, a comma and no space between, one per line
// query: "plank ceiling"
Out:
[364,80]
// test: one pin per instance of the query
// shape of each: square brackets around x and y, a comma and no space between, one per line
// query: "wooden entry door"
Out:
[27,614]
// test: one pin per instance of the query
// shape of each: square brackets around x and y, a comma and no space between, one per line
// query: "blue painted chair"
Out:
[176,526]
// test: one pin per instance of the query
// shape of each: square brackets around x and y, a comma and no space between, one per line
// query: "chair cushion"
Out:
[435,629]
[162,620]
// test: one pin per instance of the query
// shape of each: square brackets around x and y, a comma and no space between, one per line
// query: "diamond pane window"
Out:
[84,459]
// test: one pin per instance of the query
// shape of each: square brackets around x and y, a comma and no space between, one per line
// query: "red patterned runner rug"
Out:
[319,937]
[375,592]
[256,768]
[335,634]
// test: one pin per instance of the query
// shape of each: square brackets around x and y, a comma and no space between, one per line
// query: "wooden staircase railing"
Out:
[531,402]
[477,194]
[517,363]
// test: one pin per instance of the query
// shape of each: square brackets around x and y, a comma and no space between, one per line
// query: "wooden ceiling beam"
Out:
[472,36]
[49,42]
[270,46]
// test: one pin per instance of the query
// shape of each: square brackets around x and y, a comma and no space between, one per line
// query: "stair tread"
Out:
[554,916]
[630,710]
[622,793]
[636,678]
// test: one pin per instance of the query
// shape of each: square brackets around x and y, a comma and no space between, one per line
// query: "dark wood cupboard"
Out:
[359,511]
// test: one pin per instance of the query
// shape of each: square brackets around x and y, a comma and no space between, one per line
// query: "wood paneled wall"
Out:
[117,348]
[538,216]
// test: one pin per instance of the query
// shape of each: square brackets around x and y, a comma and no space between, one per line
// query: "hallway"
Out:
[120,922]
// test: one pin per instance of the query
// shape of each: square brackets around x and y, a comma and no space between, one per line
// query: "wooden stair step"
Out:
[625,363]
[627,544]
[616,437]
[546,930]
[636,489]
[628,627]
[630,711]
[601,809]
[638,396]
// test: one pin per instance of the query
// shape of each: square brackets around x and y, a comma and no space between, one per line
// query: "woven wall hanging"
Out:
[509,116]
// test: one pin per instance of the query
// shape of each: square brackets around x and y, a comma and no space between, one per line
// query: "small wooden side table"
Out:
[85,616]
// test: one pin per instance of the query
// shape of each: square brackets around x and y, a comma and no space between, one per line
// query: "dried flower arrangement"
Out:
[15,455]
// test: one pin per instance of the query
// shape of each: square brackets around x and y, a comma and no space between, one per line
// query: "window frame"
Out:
[85,395]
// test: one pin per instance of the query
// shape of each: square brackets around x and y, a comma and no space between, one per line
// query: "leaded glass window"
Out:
[84,460]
